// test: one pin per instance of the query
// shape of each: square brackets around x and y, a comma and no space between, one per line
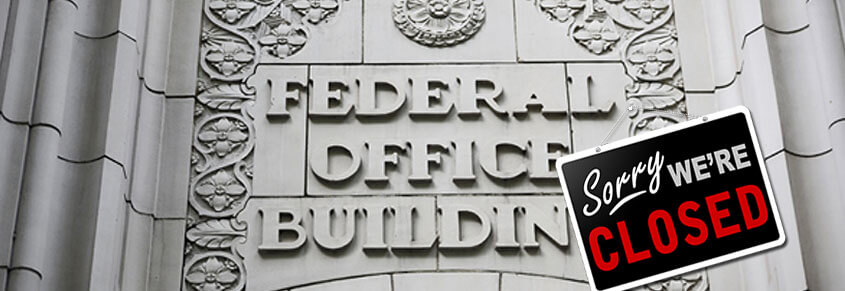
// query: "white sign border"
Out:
[652,134]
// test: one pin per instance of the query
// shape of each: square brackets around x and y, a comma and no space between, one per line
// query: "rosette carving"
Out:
[438,22]
[214,271]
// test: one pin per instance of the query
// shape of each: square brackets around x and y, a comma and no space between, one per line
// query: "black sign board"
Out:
[671,201]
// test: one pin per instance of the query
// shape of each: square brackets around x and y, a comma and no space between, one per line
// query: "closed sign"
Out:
[671,201]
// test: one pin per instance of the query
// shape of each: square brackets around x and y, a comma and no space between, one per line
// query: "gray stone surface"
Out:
[513,282]
[694,42]
[785,15]
[175,159]
[281,106]
[137,248]
[12,138]
[446,281]
[148,145]
[167,248]
[373,283]
[96,124]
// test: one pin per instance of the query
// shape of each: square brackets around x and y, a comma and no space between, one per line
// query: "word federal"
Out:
[671,201]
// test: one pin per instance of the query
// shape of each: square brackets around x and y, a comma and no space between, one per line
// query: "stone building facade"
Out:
[386,144]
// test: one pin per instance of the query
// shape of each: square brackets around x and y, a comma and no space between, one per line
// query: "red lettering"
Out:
[626,244]
[763,214]
[655,233]
[717,215]
[692,222]
[594,248]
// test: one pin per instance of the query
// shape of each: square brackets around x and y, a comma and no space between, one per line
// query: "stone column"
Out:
[22,36]
[815,180]
[37,210]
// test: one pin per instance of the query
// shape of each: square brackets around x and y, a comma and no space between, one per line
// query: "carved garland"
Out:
[236,36]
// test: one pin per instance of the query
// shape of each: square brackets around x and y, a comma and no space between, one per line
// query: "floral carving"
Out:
[283,40]
[231,10]
[598,35]
[651,58]
[562,10]
[229,57]
[220,190]
[315,10]
[213,274]
[224,136]
[599,25]
[646,10]
[438,22]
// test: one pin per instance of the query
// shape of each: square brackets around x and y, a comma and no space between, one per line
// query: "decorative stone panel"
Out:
[373,156]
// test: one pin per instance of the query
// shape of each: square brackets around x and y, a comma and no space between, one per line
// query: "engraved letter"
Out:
[421,157]
[423,92]
[273,228]
[321,168]
[328,97]
[377,159]
[451,234]
[552,223]
[541,154]
[469,97]
[323,226]
[369,102]
[491,165]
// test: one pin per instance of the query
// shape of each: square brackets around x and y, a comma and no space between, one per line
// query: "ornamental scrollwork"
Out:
[642,33]
[438,23]
[236,36]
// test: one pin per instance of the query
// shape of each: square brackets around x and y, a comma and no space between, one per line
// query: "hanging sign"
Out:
[671,201]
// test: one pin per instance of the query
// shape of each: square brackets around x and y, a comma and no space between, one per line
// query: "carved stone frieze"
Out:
[438,22]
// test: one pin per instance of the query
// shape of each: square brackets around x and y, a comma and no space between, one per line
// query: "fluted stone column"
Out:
[37,209]
[814,177]
[829,46]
